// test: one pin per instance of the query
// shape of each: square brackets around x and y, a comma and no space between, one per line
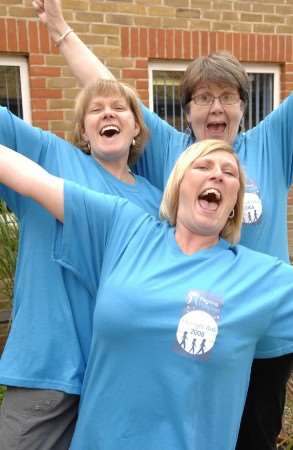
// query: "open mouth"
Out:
[109,130]
[210,199]
[216,128]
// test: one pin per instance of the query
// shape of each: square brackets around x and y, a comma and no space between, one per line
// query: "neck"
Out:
[118,169]
[191,243]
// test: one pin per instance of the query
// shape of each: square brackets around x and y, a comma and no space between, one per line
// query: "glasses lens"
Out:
[203,99]
[229,99]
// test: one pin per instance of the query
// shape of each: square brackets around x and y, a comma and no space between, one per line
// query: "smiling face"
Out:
[215,121]
[109,128]
[207,195]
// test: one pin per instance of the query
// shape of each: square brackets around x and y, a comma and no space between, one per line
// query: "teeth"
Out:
[216,193]
[111,128]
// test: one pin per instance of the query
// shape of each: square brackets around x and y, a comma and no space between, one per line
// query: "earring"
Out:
[133,142]
[232,214]
[89,147]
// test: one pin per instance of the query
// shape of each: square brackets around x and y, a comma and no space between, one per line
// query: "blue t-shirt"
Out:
[50,334]
[266,154]
[174,335]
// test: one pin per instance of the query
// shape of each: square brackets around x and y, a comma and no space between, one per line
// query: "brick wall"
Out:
[126,34]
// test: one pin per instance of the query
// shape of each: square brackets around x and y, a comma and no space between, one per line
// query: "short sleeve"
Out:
[153,161]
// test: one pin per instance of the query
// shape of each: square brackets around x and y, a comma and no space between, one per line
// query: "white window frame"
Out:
[21,62]
[250,67]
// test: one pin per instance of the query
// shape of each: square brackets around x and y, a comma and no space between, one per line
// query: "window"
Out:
[164,79]
[14,86]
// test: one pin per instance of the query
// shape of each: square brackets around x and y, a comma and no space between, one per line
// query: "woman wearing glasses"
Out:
[214,98]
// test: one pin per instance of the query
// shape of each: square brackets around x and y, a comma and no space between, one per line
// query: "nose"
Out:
[108,111]
[217,173]
[216,105]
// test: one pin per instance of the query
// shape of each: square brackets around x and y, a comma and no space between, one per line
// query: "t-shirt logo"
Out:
[198,326]
[252,211]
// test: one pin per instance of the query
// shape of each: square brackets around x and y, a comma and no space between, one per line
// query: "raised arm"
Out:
[29,179]
[86,67]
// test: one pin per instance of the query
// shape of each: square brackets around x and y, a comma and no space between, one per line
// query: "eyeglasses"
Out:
[208,99]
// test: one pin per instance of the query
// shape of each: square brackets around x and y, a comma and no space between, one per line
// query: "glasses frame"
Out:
[213,98]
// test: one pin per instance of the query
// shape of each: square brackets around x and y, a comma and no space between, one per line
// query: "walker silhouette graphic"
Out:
[201,350]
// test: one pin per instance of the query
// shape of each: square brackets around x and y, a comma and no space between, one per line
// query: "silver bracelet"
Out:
[63,36]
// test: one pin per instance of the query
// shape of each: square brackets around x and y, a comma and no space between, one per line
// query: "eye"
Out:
[119,107]
[230,173]
[203,99]
[229,98]
[95,109]
[201,166]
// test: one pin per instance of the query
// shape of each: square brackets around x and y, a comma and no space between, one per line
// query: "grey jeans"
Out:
[37,419]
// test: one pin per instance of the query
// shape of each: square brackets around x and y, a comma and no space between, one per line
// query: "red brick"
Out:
[178,44]
[162,43]
[39,103]
[45,71]
[46,93]
[259,47]
[236,45]
[134,73]
[275,48]
[44,39]
[289,48]
[125,41]
[11,35]
[3,35]
[220,41]
[141,63]
[281,47]
[143,42]
[244,47]
[229,42]
[267,47]
[38,83]
[36,59]
[142,84]
[213,42]
[170,44]
[252,47]
[195,44]
[187,44]
[22,36]
[134,42]
[152,43]
[33,37]
[47,115]
[205,43]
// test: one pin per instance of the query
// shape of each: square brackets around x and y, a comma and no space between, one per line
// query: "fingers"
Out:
[39,6]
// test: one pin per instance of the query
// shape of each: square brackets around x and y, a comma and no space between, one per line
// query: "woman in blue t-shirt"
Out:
[181,310]
[214,98]
[46,352]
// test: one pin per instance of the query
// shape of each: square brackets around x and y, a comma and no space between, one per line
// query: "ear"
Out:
[136,129]
[85,137]
[187,114]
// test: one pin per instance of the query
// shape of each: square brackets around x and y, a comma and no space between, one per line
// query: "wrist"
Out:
[61,37]
[57,29]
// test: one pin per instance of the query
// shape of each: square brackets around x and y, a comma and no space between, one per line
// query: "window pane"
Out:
[166,101]
[10,90]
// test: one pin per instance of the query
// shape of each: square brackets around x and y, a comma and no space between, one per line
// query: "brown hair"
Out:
[108,88]
[221,67]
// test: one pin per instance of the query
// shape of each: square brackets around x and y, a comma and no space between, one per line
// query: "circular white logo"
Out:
[252,208]
[197,332]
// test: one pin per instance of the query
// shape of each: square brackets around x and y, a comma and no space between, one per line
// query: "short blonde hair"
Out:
[170,200]
[108,88]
